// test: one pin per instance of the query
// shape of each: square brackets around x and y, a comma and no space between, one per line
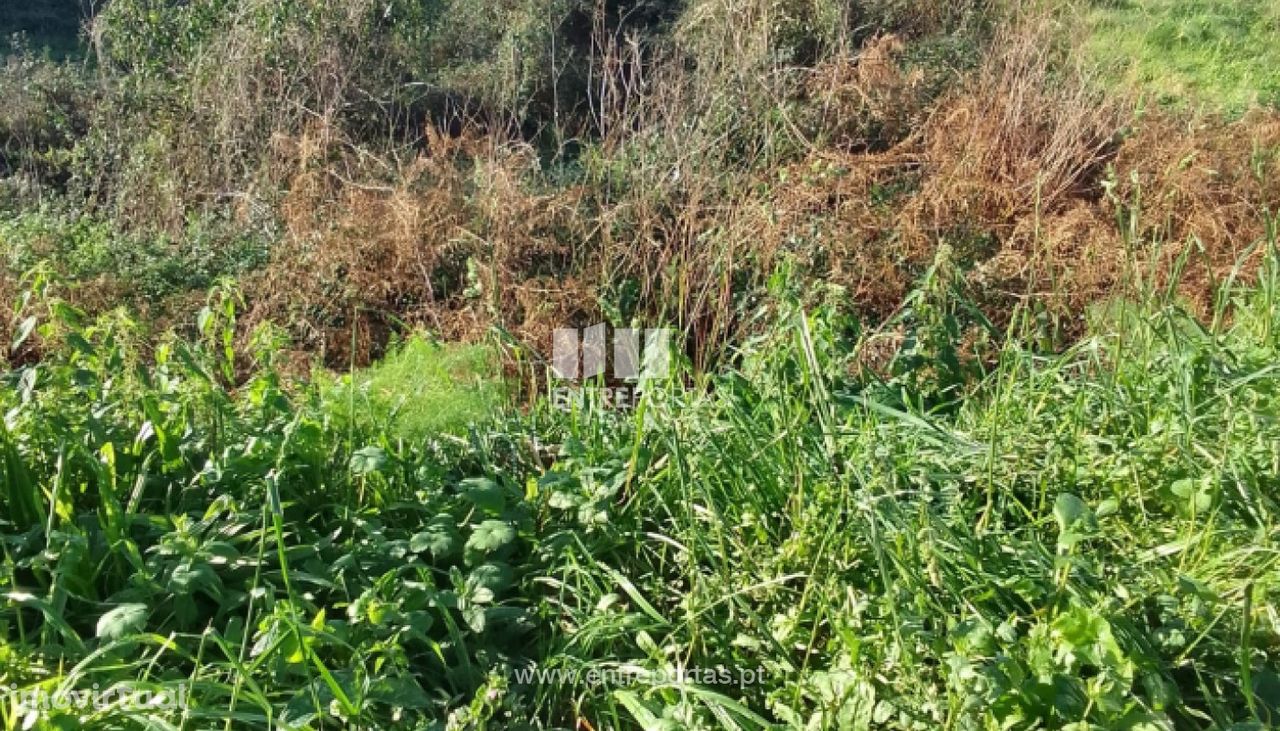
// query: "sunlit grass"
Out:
[421,388]
[1216,54]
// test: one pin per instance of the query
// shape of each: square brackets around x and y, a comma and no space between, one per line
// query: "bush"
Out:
[142,269]
[48,108]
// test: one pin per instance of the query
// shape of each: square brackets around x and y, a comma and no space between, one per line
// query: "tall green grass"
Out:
[1084,543]
[1085,539]
[421,388]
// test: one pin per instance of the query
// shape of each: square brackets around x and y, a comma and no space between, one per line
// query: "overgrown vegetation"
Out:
[1087,538]
[974,424]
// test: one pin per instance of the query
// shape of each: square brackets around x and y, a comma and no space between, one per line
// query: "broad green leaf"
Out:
[564,500]
[475,618]
[1070,510]
[68,314]
[419,622]
[484,493]
[1075,520]
[490,535]
[77,341]
[1197,494]
[190,578]
[368,460]
[400,692]
[494,576]
[440,538]
[1107,507]
[122,621]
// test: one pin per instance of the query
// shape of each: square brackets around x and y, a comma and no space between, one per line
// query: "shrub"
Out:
[48,108]
[103,264]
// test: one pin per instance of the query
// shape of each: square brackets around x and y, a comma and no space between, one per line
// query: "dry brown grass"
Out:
[1013,170]
[867,101]
[1016,143]
[1024,135]
[452,241]
[1010,169]
[8,298]
[1186,200]
[705,179]
[1205,185]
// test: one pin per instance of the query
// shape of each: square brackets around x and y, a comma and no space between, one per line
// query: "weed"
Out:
[421,388]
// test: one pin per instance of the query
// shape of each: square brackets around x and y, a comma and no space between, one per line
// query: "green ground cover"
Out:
[1199,53]
[1084,540]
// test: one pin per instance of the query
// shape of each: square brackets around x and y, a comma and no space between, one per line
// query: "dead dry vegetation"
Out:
[697,168]
[1049,190]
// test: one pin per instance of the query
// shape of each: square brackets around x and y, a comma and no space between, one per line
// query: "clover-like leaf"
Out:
[367,460]
[440,537]
[122,621]
[490,535]
[484,493]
